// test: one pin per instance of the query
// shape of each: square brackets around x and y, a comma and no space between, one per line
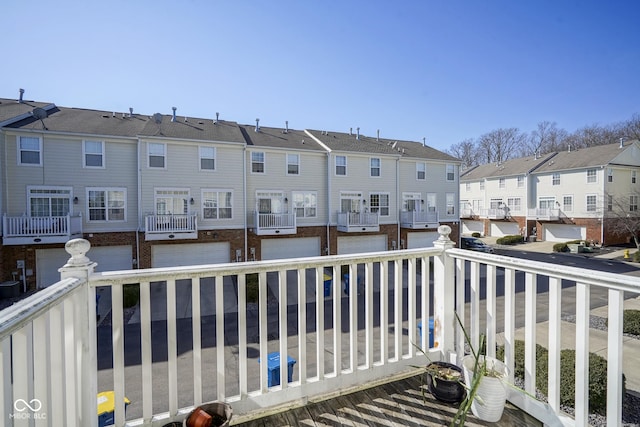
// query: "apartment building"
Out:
[569,195]
[167,190]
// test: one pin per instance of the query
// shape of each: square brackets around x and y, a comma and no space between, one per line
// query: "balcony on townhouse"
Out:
[171,227]
[419,219]
[272,224]
[55,353]
[357,222]
[544,214]
[25,230]
[498,213]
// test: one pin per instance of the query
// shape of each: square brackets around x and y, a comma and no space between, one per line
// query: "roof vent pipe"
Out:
[173,119]
[21,94]
[350,131]
[357,133]
[257,125]
[217,116]
[130,111]
[286,126]
[378,135]
[569,148]
[424,141]
[621,142]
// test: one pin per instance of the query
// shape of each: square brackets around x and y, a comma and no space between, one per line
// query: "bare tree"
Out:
[547,138]
[500,145]
[631,128]
[623,216]
[590,136]
[466,151]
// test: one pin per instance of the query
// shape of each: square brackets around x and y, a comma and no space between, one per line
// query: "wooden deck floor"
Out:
[399,403]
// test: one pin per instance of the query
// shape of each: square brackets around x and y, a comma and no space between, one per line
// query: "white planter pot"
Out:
[491,394]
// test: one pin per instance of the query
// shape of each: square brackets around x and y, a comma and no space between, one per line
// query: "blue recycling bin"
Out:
[107,406]
[430,331]
[327,285]
[273,368]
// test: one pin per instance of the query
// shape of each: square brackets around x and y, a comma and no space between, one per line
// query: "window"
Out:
[375,166]
[45,202]
[591,203]
[157,154]
[495,204]
[633,203]
[421,171]
[411,202]
[633,177]
[106,204]
[501,183]
[341,165]
[93,154]
[293,164]
[257,162]
[350,202]
[29,151]
[467,186]
[379,202]
[432,202]
[451,207]
[609,175]
[172,201]
[555,179]
[270,202]
[547,202]
[451,173]
[217,204]
[609,203]
[521,181]
[567,203]
[482,185]
[514,204]
[591,176]
[207,158]
[305,204]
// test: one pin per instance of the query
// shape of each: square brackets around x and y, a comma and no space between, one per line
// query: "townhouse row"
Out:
[168,190]
[561,196]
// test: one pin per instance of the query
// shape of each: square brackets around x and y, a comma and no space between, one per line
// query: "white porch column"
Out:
[81,267]
[444,295]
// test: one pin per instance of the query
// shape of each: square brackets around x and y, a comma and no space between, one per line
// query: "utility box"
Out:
[10,289]
[273,368]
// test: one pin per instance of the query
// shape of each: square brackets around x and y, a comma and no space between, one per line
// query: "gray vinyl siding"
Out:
[435,182]
[312,177]
[182,171]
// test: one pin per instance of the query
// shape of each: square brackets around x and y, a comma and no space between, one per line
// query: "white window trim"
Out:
[335,165]
[453,172]
[380,193]
[149,155]
[288,163]
[106,190]
[424,165]
[201,157]
[595,176]
[371,167]
[502,183]
[553,178]
[303,192]
[18,150]
[215,190]
[84,154]
[264,163]
[520,181]
[586,202]
[453,204]
[572,202]
[30,188]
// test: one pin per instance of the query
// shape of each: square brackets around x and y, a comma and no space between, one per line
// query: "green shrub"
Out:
[631,322]
[636,256]
[560,247]
[476,234]
[597,375]
[130,295]
[251,282]
[510,240]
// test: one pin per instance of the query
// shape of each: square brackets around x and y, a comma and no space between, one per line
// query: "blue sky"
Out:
[445,70]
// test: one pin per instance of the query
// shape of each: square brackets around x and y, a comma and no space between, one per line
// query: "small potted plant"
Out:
[445,382]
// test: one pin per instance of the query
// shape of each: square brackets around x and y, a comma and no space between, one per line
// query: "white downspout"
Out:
[328,203]
[244,200]
[398,204]
[139,173]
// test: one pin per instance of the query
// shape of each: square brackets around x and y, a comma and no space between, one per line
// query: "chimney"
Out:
[257,125]
[357,133]
[217,116]
[378,135]
[173,119]
[286,126]
[130,111]
[621,142]
[21,94]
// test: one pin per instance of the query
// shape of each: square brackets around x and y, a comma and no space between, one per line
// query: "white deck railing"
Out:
[170,356]
[31,226]
[417,219]
[171,223]
[544,214]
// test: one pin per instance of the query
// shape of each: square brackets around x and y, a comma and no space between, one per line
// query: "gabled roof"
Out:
[599,155]
[350,142]
[12,110]
[511,167]
[192,128]
[290,139]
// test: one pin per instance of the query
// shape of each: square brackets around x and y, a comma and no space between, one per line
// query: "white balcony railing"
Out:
[358,221]
[419,219]
[22,230]
[159,227]
[544,214]
[467,213]
[274,223]
[493,213]
[195,338]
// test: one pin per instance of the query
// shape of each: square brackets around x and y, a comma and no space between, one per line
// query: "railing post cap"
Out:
[444,231]
[77,248]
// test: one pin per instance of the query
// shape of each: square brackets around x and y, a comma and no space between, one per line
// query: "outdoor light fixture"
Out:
[75,200]
[192,201]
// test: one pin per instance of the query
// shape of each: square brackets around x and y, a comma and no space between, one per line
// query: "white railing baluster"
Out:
[509,318]
[71,390]
[424,302]
[583,294]
[117,331]
[384,312]
[411,307]
[55,365]
[460,307]
[41,355]
[220,359]
[530,281]
[302,319]
[337,333]
[491,310]
[555,342]
[243,375]
[368,314]
[6,395]
[614,357]
[397,310]
[352,301]
[172,348]
[145,350]
[20,347]
[320,343]
[262,328]
[282,326]
[474,314]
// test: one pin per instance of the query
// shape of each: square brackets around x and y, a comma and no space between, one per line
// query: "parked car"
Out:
[474,244]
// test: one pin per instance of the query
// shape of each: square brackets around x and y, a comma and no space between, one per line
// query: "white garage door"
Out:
[470,227]
[499,229]
[564,232]
[290,248]
[360,244]
[48,261]
[190,254]
[421,240]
